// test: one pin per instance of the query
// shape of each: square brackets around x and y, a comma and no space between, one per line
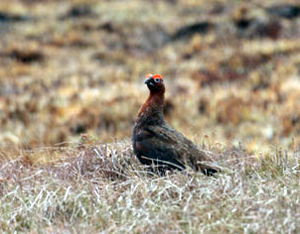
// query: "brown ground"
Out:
[73,67]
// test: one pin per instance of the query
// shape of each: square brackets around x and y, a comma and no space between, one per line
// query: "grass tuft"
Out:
[105,188]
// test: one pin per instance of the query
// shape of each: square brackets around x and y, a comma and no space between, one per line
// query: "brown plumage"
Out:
[155,142]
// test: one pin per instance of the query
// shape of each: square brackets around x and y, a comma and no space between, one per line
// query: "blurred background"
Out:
[72,67]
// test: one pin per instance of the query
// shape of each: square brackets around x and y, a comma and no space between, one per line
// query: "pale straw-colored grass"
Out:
[103,188]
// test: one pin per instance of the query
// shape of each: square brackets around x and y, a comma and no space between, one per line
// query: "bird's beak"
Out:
[148,81]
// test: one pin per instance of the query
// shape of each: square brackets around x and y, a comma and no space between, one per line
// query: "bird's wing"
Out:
[160,144]
[184,150]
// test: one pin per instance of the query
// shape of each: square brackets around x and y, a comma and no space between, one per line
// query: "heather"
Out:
[71,84]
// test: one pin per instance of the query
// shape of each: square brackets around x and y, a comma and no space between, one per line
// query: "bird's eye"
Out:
[157,80]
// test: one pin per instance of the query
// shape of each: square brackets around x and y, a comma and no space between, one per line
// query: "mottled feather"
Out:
[155,142]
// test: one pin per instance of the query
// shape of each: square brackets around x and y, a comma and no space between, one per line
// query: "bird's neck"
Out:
[151,112]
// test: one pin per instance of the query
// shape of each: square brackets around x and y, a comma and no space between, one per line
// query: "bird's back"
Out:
[167,146]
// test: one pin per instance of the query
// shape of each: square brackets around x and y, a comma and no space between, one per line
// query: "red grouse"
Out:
[156,143]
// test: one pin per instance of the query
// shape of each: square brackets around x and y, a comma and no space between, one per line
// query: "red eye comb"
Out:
[157,76]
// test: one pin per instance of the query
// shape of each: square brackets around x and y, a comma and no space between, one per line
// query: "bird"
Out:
[156,143]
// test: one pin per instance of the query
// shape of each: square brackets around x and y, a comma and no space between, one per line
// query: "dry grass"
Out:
[104,188]
[76,67]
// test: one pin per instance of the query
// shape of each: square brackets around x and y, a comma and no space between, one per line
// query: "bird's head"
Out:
[155,83]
